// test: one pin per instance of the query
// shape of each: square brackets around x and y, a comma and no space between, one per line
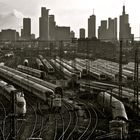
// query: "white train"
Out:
[68,67]
[118,126]
[38,90]
[56,89]
[34,72]
[47,65]
[67,73]
[40,66]
[8,91]
[26,62]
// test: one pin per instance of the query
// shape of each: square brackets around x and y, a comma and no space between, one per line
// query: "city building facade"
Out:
[92,26]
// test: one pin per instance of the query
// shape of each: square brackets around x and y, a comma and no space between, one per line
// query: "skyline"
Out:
[70,13]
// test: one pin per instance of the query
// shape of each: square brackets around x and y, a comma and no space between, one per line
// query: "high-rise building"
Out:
[26,32]
[92,26]
[82,33]
[108,31]
[44,24]
[9,35]
[125,29]
[62,33]
[102,30]
[72,34]
[52,25]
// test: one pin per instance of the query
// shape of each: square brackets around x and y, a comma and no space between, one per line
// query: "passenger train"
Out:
[118,125]
[34,85]
[53,87]
[39,64]
[68,67]
[26,62]
[47,65]
[67,73]
[8,91]
[32,71]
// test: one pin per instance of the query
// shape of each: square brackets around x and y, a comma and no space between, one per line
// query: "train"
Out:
[67,73]
[40,66]
[80,68]
[127,97]
[26,62]
[118,126]
[56,89]
[47,65]
[8,91]
[38,90]
[34,72]
[68,67]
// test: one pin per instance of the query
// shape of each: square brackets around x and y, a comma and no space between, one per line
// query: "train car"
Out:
[97,74]
[118,126]
[69,68]
[31,71]
[67,73]
[38,90]
[40,66]
[56,89]
[82,69]
[7,91]
[26,62]
[47,65]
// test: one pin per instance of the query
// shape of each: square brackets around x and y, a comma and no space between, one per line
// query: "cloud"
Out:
[11,20]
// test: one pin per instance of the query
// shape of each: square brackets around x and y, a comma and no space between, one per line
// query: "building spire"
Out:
[93,11]
[123,9]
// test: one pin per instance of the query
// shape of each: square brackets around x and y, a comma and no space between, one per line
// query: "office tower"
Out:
[82,33]
[26,32]
[108,31]
[92,26]
[44,24]
[72,34]
[112,29]
[62,33]
[9,35]
[125,29]
[102,30]
[52,25]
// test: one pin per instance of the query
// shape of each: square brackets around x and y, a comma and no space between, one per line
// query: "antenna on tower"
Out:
[123,2]
[93,11]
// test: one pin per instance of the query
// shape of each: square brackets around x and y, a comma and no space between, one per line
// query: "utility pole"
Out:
[13,117]
[120,70]
[136,79]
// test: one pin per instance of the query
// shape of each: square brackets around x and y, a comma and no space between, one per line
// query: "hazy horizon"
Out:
[73,13]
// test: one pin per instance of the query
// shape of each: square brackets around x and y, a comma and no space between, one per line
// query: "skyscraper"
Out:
[82,33]
[92,26]
[72,34]
[26,34]
[52,25]
[125,29]
[108,32]
[44,24]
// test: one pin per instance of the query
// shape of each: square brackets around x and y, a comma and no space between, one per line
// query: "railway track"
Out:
[2,117]
[74,121]
[59,130]
[88,132]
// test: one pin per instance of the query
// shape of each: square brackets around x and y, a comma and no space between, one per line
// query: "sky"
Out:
[73,13]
